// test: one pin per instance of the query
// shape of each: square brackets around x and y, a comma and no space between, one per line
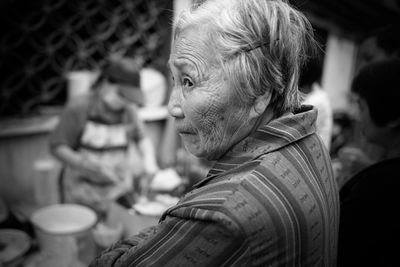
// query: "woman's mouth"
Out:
[181,129]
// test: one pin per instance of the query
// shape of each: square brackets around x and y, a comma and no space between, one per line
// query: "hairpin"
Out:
[257,46]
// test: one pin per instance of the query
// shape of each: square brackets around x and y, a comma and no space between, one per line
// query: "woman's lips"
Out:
[181,129]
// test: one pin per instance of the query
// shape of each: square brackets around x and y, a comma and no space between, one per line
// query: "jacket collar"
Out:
[270,137]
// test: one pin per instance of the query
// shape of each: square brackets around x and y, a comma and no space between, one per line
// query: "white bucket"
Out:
[79,83]
[64,234]
[154,87]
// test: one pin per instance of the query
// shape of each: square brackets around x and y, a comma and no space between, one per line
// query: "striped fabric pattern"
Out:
[270,201]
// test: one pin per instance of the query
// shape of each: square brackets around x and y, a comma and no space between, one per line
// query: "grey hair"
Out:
[261,44]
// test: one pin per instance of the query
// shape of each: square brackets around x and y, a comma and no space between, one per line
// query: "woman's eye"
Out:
[187,82]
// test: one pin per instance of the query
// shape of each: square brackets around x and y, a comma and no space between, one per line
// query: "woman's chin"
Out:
[201,152]
[195,147]
[194,150]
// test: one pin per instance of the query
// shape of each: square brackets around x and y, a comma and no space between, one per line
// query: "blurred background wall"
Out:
[43,40]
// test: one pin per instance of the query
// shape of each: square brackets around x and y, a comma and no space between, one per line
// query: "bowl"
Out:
[13,244]
[63,231]
[64,219]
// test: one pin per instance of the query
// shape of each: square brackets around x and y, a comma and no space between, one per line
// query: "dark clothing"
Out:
[369,226]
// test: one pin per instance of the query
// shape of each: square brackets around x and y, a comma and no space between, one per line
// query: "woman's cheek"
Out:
[206,116]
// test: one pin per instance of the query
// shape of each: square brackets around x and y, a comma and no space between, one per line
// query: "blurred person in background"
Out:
[359,154]
[369,225]
[101,141]
[271,198]
[343,133]
[380,45]
[314,94]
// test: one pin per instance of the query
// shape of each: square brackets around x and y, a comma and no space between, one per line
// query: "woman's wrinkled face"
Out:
[209,116]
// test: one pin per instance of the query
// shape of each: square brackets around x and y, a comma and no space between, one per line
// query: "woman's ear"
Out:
[260,104]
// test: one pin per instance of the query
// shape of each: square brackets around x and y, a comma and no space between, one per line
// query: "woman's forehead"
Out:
[194,46]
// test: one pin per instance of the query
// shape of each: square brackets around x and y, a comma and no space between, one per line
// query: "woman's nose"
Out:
[174,104]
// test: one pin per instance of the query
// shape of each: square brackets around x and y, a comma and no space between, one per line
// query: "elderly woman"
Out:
[271,199]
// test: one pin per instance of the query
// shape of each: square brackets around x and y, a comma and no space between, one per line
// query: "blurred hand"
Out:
[151,169]
[100,173]
[108,174]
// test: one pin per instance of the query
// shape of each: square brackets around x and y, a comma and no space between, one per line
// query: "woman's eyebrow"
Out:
[183,64]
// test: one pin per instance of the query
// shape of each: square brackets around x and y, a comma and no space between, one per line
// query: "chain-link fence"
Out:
[43,40]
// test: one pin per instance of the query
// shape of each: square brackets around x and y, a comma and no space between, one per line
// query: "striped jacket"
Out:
[270,201]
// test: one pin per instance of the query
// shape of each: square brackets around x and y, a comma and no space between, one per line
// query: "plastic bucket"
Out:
[63,232]
[79,83]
